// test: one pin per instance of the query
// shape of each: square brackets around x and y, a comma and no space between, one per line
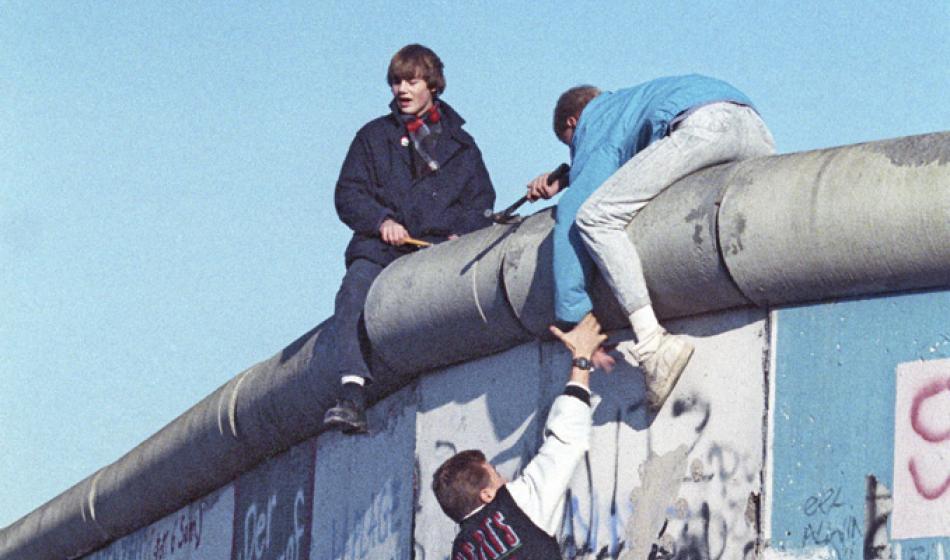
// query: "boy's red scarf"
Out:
[424,132]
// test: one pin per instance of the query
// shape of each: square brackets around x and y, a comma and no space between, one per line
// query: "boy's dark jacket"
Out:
[377,182]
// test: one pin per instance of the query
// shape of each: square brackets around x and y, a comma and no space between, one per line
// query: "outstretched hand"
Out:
[584,340]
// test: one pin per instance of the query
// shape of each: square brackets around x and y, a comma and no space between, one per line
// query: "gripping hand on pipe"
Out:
[540,188]
[549,183]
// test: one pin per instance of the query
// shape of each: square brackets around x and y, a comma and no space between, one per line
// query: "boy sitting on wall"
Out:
[413,174]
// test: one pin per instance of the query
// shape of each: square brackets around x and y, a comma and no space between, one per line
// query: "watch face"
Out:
[582,363]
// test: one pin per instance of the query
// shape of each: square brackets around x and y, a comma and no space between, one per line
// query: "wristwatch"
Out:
[583,363]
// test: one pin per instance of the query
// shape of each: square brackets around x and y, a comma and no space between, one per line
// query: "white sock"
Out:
[361,381]
[644,322]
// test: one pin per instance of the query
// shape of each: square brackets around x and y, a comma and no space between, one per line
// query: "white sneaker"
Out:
[662,357]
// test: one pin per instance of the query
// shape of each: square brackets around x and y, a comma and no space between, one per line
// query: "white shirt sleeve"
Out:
[540,489]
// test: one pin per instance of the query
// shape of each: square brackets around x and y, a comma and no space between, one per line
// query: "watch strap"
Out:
[583,363]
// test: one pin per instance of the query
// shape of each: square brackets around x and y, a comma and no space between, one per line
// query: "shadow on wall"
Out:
[622,392]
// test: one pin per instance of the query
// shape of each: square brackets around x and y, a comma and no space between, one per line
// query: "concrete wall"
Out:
[200,531]
[848,376]
[826,225]
[791,435]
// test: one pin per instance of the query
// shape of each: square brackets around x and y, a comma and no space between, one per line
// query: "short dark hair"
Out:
[570,104]
[458,482]
[416,61]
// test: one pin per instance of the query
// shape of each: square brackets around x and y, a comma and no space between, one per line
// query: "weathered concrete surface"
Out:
[461,302]
[835,449]
[273,504]
[199,531]
[528,283]
[364,486]
[468,281]
[693,468]
[693,471]
[499,415]
[812,553]
[855,220]
[690,483]
[869,219]
[718,415]
[372,498]
[679,238]
[263,410]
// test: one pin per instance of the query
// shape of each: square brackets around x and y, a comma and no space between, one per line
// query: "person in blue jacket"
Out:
[626,148]
[413,174]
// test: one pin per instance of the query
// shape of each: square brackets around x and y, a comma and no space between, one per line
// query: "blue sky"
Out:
[166,171]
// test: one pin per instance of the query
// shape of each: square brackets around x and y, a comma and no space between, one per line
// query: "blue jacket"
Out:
[613,128]
[377,182]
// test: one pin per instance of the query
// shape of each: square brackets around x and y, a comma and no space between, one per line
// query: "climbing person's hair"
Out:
[570,104]
[459,481]
[417,62]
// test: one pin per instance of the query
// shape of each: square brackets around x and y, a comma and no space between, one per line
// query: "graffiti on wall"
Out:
[196,531]
[878,505]
[723,524]
[378,527]
[581,527]
[272,508]
[160,541]
[617,521]
[922,450]
[831,522]
[705,505]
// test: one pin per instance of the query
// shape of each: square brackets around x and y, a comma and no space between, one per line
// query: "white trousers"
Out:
[712,134]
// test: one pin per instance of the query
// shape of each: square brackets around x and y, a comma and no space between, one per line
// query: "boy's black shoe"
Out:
[347,416]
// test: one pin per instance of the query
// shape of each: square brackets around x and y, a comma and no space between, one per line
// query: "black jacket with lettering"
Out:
[520,523]
[501,531]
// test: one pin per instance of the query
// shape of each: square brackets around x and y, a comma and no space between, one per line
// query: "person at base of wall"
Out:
[518,519]
[413,174]
[626,148]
